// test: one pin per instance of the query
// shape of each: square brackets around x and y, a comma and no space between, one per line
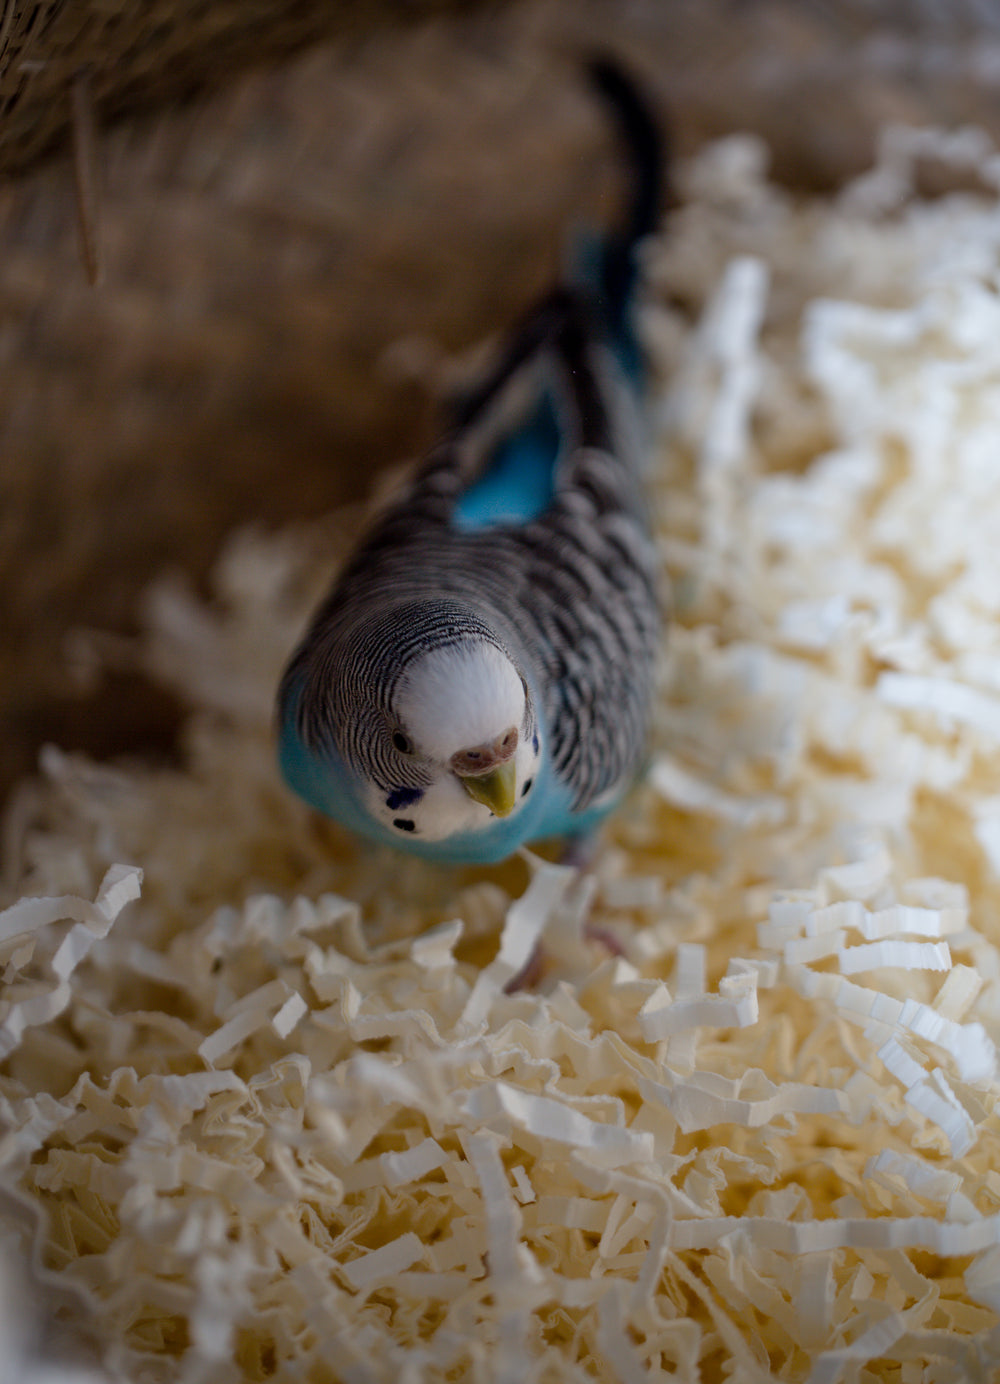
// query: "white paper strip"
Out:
[613,1338]
[681,788]
[689,982]
[861,879]
[969,1045]
[870,1345]
[607,1145]
[948,701]
[947,1114]
[694,1107]
[936,1184]
[900,1063]
[289,1014]
[120,885]
[252,1013]
[813,1237]
[435,948]
[503,1219]
[525,923]
[734,1008]
[958,992]
[897,921]
[382,1263]
[908,956]
[413,1164]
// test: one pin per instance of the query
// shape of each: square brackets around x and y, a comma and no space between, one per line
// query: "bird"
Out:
[480,677]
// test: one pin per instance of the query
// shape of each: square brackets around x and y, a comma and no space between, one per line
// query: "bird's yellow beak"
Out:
[497,789]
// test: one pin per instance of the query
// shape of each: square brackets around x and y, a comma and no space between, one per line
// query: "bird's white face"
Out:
[463,716]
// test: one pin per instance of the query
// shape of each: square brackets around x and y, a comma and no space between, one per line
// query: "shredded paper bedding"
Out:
[271,1106]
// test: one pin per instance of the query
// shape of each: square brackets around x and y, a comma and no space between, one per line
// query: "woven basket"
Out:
[141,55]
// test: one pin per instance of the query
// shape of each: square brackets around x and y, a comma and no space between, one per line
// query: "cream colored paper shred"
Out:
[722,1105]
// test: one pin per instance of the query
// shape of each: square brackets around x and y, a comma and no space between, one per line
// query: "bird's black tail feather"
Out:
[645,146]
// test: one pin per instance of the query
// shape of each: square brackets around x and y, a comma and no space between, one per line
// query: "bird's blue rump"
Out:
[481,674]
[518,484]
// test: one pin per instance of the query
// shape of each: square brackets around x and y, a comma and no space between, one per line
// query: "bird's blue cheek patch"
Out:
[404,824]
[403,797]
[534,743]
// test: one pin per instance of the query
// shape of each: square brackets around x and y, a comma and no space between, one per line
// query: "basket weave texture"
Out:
[142,55]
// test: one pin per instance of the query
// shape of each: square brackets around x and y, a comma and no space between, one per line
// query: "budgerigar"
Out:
[481,674]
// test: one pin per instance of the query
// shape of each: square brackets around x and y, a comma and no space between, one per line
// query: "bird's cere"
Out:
[487,756]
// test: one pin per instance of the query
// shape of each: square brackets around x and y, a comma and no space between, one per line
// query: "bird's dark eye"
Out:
[401,743]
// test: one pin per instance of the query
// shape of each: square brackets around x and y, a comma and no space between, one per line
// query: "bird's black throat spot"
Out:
[527,785]
[404,824]
[403,797]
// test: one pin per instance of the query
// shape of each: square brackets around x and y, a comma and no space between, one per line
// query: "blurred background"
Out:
[302,209]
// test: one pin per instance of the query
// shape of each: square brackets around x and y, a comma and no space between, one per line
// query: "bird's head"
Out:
[426,712]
